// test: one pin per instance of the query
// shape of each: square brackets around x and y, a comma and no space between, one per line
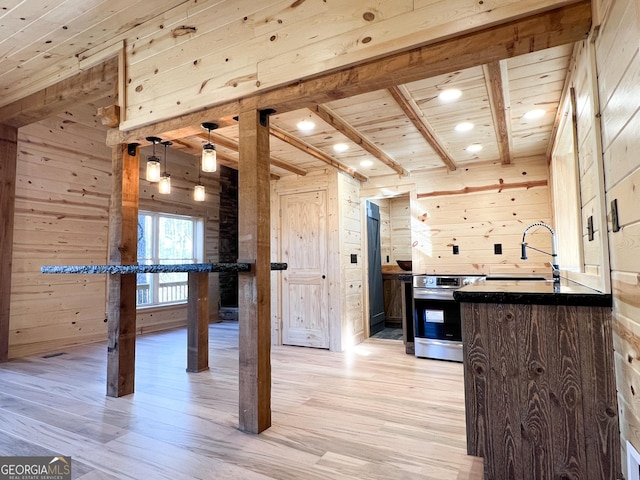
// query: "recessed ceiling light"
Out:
[464,127]
[450,94]
[305,125]
[474,148]
[366,163]
[340,147]
[533,114]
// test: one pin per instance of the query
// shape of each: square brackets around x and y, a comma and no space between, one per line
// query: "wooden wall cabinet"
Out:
[540,391]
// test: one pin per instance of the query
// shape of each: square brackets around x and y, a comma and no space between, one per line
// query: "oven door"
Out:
[437,319]
[438,328]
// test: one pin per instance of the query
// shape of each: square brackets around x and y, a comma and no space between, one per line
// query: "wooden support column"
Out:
[254,295]
[198,322]
[121,288]
[8,163]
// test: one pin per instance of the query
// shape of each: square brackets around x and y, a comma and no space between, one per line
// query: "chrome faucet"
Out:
[554,252]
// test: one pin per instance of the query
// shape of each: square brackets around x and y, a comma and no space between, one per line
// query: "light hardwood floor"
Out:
[371,413]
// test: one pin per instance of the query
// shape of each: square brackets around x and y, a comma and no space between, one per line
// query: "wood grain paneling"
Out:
[200,71]
[400,219]
[476,221]
[8,161]
[62,194]
[540,394]
[351,241]
[63,190]
[618,66]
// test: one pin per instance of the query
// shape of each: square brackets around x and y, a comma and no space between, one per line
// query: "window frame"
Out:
[197,256]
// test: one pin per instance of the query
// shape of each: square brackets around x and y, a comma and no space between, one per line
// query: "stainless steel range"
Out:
[437,321]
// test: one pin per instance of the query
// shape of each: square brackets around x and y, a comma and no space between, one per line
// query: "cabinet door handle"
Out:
[324,276]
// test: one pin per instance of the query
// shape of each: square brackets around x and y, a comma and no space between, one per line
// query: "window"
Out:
[166,239]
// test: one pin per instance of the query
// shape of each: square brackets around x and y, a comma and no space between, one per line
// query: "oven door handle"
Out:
[432,294]
[449,344]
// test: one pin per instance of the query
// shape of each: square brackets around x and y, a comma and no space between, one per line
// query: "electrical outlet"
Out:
[497,248]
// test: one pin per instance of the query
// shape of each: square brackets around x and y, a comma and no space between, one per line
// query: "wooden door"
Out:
[304,291]
[376,296]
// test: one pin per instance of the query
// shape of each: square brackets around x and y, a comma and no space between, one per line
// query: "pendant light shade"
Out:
[165,184]
[209,158]
[153,162]
[153,169]
[165,178]
[199,193]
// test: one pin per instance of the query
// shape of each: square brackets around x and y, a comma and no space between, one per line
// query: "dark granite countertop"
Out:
[540,292]
[129,269]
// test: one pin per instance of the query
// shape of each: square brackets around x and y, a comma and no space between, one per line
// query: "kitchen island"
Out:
[540,394]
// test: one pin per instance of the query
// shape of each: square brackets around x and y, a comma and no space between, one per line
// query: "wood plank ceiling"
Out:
[400,130]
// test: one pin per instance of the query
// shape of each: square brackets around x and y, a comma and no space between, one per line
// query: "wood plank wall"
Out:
[62,199]
[618,66]
[351,274]
[395,229]
[186,58]
[61,217]
[594,267]
[400,223]
[475,208]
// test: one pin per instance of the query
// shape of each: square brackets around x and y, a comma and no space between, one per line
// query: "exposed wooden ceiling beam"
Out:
[85,87]
[497,80]
[403,98]
[314,152]
[560,26]
[333,119]
[231,144]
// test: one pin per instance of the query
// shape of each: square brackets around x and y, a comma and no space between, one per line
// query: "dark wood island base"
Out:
[539,381]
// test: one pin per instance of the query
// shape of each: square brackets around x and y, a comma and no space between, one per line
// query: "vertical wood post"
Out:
[121,289]
[198,322]
[8,163]
[254,288]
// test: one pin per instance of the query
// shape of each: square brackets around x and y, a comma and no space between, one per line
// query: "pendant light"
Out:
[165,179]
[199,193]
[153,162]
[209,150]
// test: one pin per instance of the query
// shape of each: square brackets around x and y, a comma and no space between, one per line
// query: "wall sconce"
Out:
[153,162]
[209,150]
[165,179]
